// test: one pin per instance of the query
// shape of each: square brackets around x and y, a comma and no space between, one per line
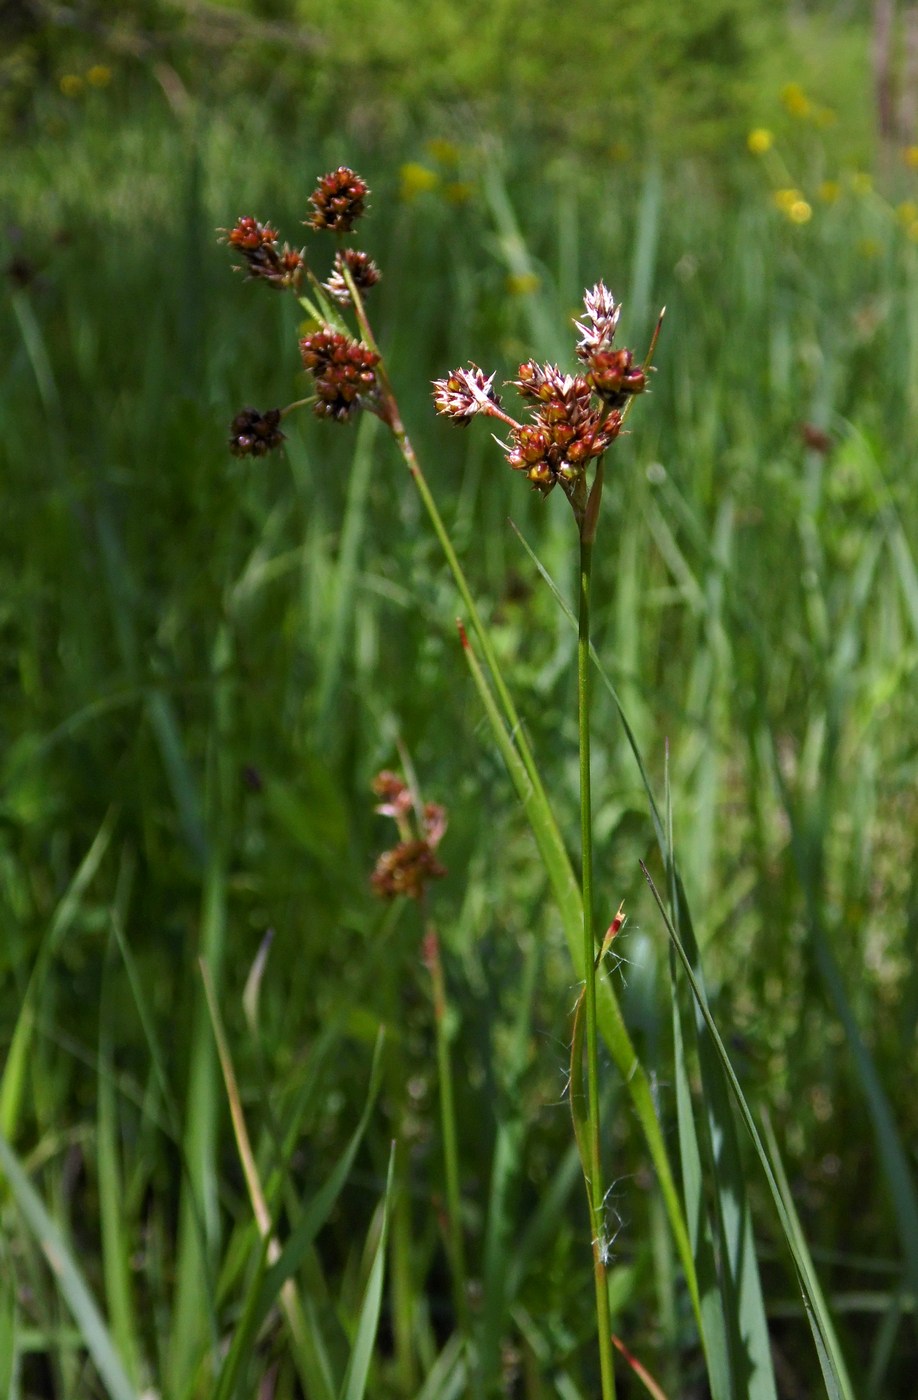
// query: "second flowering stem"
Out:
[591,1149]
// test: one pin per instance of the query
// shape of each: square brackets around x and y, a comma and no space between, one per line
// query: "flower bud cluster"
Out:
[363,272]
[257,243]
[254,434]
[406,868]
[464,393]
[339,201]
[344,371]
[564,433]
[574,417]
[611,374]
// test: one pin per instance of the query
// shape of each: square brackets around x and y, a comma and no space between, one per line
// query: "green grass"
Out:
[206,661]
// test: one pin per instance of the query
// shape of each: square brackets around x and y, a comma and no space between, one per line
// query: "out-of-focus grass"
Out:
[223,654]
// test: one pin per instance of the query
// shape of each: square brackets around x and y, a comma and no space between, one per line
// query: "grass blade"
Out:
[831,1362]
[802,1248]
[12,1084]
[70,1281]
[355,1380]
[611,1023]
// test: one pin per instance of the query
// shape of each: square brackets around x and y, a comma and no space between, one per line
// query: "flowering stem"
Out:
[594,1180]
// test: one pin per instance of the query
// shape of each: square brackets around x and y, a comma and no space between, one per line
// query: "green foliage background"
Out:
[166,615]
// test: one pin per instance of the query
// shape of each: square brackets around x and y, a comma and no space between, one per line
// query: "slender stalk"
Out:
[594,1180]
[402,1272]
[455,1243]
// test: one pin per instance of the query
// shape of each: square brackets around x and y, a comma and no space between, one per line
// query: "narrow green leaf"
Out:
[447,1378]
[9,1350]
[506,1169]
[320,1206]
[268,1279]
[832,1350]
[116,1246]
[714,1331]
[355,1380]
[611,1023]
[12,1083]
[833,1368]
[70,1281]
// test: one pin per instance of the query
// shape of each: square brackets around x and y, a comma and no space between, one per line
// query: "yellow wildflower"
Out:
[417,179]
[443,151]
[800,212]
[522,284]
[760,140]
[785,198]
[910,157]
[829,191]
[907,212]
[99,76]
[795,100]
[71,85]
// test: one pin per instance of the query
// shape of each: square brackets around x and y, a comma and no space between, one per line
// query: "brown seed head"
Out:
[258,245]
[249,235]
[254,434]
[338,201]
[364,274]
[394,795]
[344,373]
[405,870]
[564,433]
[615,377]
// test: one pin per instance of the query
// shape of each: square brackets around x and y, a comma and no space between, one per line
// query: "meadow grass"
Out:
[207,661]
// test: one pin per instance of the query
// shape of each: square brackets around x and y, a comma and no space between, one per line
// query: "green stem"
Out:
[450,1142]
[594,1181]
[403,1291]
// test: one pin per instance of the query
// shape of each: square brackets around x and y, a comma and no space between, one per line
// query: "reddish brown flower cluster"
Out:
[612,374]
[344,371]
[363,272]
[575,416]
[343,368]
[564,433]
[338,201]
[258,245]
[406,869]
[254,434]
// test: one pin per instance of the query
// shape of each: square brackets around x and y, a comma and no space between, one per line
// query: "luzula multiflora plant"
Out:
[572,420]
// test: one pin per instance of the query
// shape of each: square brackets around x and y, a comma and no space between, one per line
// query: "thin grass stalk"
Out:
[401,1236]
[594,1179]
[290,1300]
[455,1244]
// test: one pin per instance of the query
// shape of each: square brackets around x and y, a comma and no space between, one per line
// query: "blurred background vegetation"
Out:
[206,661]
